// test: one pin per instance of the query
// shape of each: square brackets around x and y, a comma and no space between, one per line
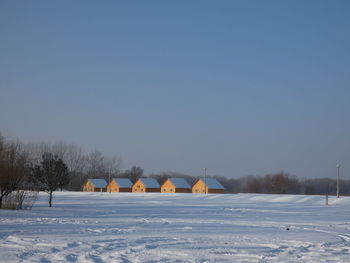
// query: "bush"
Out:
[20,200]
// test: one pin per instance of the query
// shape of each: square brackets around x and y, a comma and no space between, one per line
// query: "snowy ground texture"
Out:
[129,227]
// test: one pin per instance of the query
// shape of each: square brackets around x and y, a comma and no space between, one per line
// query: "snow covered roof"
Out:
[100,183]
[150,182]
[123,182]
[212,183]
[180,183]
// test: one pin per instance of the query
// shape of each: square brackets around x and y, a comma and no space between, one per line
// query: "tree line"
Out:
[278,183]
[283,183]
[26,169]
[21,178]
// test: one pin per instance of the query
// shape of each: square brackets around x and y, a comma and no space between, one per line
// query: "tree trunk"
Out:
[1,198]
[50,199]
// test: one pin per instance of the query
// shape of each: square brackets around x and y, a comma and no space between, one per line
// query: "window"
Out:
[141,190]
[164,190]
[171,190]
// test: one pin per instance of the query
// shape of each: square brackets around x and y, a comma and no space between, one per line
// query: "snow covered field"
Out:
[90,227]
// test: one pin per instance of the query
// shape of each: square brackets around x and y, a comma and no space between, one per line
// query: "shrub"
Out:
[20,199]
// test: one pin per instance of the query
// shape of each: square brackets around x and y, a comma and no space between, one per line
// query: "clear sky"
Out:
[239,87]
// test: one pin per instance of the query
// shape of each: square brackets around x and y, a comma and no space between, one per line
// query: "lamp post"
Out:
[109,182]
[338,173]
[205,180]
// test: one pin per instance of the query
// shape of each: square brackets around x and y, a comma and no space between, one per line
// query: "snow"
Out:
[99,183]
[180,183]
[150,182]
[123,182]
[213,183]
[158,227]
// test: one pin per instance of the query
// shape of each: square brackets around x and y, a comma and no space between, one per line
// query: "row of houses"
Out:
[144,185]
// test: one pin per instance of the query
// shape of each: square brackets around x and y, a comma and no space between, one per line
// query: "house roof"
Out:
[212,183]
[180,183]
[150,182]
[100,183]
[123,182]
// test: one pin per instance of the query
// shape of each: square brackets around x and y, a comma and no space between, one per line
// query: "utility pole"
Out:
[109,182]
[205,180]
[338,172]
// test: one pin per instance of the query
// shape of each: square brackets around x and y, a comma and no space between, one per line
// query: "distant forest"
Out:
[81,165]
[279,183]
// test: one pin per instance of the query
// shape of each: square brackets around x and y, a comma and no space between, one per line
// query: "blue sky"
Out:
[239,87]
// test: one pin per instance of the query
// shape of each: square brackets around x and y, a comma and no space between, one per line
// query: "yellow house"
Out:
[119,185]
[175,185]
[207,186]
[143,185]
[95,185]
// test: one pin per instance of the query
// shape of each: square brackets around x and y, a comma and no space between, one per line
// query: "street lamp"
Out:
[205,180]
[109,182]
[338,168]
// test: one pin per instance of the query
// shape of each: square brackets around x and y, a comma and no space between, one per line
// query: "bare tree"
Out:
[99,166]
[51,175]
[12,167]
[76,162]
[74,158]
[94,163]
[111,167]
[134,173]
[59,149]
[80,165]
